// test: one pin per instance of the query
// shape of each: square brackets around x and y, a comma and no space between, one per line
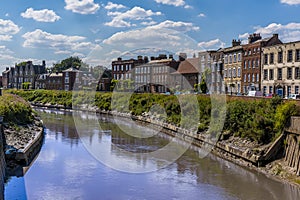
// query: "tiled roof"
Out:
[188,66]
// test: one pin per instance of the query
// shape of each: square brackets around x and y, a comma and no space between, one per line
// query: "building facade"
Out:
[281,69]
[155,75]
[233,67]
[251,70]
[25,72]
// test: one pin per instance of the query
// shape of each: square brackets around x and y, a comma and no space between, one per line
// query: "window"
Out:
[249,76]
[249,64]
[279,74]
[253,63]
[66,79]
[265,74]
[225,73]
[226,59]
[270,89]
[271,58]
[234,72]
[249,52]
[66,87]
[239,72]
[253,77]
[257,78]
[271,71]
[265,90]
[254,50]
[234,58]
[296,89]
[297,73]
[289,88]
[290,56]
[266,59]
[289,73]
[245,78]
[279,57]
[230,59]
[239,57]
[229,73]
[245,64]
[297,56]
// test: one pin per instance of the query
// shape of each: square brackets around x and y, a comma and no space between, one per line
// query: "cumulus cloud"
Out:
[44,15]
[287,33]
[58,42]
[171,2]
[82,6]
[167,40]
[178,26]
[136,13]
[7,29]
[212,44]
[290,2]
[110,6]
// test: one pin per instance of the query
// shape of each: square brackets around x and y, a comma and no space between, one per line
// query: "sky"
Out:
[101,31]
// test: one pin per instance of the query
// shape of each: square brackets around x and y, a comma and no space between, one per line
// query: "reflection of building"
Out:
[233,67]
[281,69]
[251,69]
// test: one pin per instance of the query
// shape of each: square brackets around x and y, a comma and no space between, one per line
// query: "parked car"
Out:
[294,96]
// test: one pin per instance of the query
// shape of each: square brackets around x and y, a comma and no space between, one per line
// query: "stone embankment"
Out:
[23,143]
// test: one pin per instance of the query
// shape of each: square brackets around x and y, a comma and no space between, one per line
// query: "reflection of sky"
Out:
[67,172]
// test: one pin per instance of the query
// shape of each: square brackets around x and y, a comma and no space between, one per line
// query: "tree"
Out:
[114,83]
[67,63]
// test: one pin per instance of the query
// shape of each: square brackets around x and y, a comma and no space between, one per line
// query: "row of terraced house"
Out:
[262,64]
[26,75]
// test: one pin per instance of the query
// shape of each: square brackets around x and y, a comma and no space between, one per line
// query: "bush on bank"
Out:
[258,120]
[15,110]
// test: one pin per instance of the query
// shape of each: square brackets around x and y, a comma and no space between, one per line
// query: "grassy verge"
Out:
[258,120]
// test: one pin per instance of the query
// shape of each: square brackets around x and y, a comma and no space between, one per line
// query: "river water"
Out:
[66,168]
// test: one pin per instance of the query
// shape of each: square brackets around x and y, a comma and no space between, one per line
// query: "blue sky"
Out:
[99,31]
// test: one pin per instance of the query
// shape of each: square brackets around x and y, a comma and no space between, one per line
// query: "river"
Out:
[66,169]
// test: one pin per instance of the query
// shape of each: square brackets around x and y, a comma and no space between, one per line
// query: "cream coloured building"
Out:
[281,69]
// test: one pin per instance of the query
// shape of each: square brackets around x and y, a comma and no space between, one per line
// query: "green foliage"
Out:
[258,120]
[15,110]
[67,63]
[283,115]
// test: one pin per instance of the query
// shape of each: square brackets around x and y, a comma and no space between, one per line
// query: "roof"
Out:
[235,48]
[56,75]
[160,61]
[188,66]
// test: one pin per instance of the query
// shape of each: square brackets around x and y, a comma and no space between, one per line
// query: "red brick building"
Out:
[251,64]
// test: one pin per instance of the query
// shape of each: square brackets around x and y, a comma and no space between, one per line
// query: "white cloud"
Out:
[57,42]
[188,7]
[201,15]
[171,2]
[168,40]
[7,29]
[44,15]
[136,13]
[5,37]
[212,44]
[290,2]
[82,6]
[111,6]
[179,26]
[287,33]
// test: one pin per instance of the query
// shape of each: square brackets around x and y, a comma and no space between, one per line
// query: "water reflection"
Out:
[65,169]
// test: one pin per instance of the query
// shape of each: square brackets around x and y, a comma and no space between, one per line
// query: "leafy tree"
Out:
[67,63]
